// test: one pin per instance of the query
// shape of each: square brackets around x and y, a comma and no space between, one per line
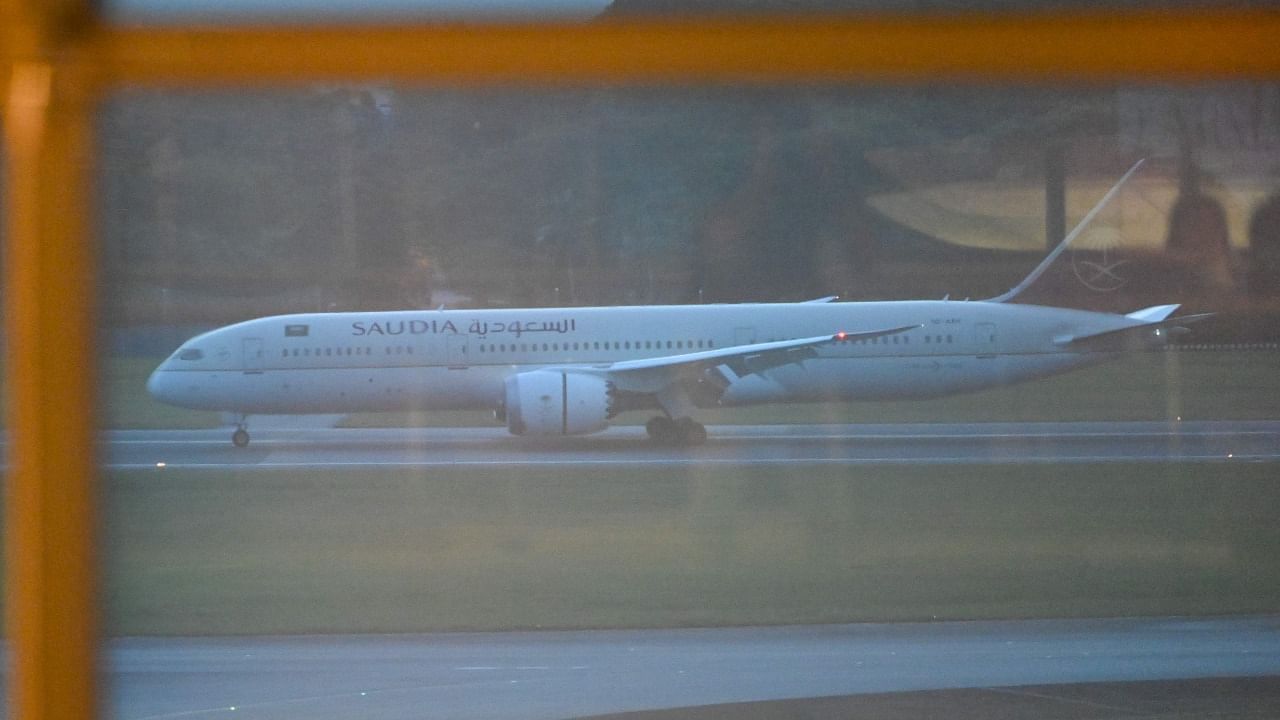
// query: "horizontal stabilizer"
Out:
[1172,326]
[1153,314]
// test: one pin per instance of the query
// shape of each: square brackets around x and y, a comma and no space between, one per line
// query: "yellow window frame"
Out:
[59,57]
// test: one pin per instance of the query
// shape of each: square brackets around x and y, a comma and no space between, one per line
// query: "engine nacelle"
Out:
[556,402]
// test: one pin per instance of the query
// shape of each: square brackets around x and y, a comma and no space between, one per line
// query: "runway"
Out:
[570,674]
[1219,441]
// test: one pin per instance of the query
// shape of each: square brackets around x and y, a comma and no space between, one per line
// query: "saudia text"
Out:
[478,328]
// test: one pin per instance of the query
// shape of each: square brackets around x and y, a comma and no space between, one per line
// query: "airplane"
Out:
[570,371]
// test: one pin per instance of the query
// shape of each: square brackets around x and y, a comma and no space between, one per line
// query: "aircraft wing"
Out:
[654,374]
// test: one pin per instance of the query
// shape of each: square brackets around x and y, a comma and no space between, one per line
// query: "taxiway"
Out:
[571,674]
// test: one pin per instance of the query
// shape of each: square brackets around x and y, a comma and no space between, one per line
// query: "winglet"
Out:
[1044,264]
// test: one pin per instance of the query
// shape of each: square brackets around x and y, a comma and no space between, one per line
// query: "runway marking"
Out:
[1064,700]
[284,702]
[721,439]
[694,460]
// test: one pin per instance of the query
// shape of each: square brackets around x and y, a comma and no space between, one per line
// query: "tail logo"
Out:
[1100,275]
[1096,261]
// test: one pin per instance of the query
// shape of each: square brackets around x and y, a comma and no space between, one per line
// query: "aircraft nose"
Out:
[159,386]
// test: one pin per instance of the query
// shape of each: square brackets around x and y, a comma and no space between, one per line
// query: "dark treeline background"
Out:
[357,197]
[216,207]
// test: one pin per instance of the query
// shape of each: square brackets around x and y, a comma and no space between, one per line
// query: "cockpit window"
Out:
[191,354]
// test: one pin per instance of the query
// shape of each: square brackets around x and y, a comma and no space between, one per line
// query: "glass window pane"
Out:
[1072,446]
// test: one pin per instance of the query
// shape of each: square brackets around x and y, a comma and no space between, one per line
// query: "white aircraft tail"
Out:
[1066,242]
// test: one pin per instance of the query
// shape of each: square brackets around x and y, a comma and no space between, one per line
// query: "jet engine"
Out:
[556,402]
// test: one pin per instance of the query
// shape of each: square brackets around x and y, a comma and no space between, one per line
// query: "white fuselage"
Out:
[453,359]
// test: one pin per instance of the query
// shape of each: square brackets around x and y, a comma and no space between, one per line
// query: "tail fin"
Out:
[1066,242]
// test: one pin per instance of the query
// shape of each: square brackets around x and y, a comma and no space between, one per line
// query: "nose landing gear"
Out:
[240,438]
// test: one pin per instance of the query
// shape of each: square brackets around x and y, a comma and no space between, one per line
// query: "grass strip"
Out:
[397,550]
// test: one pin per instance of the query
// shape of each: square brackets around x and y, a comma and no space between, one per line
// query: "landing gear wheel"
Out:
[240,437]
[690,431]
[662,430]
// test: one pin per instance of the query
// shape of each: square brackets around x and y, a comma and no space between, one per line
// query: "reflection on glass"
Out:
[153,11]
[1089,493]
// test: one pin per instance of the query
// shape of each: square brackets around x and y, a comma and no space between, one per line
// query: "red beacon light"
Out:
[840,336]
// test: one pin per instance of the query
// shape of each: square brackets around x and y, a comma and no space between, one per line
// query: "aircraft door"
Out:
[744,335]
[984,340]
[984,335]
[456,348]
[252,355]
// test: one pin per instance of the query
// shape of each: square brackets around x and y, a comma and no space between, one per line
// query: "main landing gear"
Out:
[684,431]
